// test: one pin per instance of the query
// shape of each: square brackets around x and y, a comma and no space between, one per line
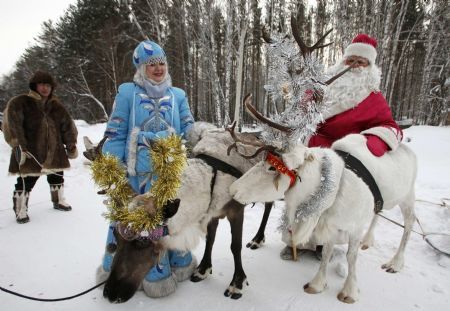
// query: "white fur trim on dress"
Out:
[160,288]
[389,135]
[361,49]
[132,151]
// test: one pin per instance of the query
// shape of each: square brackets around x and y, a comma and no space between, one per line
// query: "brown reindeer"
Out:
[203,199]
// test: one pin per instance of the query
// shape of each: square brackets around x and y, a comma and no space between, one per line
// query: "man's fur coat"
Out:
[42,129]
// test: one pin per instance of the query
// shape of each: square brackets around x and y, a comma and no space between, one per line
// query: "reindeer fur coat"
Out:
[40,128]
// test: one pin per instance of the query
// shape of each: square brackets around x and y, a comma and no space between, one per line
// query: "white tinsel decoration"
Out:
[315,204]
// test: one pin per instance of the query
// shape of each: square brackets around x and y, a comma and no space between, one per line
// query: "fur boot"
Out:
[20,201]
[160,281]
[59,202]
[182,263]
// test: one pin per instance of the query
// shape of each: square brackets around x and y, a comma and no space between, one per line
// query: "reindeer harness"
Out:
[362,172]
[279,165]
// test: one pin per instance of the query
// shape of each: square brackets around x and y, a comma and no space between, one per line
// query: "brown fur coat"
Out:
[42,129]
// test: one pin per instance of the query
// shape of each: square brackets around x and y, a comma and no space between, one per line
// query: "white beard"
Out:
[350,89]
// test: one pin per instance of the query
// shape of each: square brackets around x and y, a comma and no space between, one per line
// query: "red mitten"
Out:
[376,145]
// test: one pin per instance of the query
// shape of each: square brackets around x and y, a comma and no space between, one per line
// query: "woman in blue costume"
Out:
[144,110]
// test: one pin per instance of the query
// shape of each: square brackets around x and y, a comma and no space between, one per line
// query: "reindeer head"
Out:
[135,253]
[270,179]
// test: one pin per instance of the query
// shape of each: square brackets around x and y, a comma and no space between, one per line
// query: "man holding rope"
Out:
[43,137]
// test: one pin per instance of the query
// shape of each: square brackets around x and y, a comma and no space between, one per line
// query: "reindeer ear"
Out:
[309,156]
[88,143]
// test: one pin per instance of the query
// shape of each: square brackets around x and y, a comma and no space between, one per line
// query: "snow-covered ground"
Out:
[56,253]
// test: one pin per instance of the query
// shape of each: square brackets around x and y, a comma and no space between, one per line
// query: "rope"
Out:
[399,224]
[50,170]
[423,234]
[54,299]
[30,155]
[443,203]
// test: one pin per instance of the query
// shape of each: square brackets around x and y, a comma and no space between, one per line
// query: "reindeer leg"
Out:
[396,263]
[235,215]
[319,282]
[205,266]
[368,239]
[259,238]
[349,293]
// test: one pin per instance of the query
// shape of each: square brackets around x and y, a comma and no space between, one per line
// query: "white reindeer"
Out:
[331,202]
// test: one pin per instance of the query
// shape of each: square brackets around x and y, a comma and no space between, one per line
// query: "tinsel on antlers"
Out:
[169,160]
[295,81]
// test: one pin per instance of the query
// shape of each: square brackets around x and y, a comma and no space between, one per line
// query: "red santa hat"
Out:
[364,46]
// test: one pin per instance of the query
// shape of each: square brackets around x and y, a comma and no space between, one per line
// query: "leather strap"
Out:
[362,172]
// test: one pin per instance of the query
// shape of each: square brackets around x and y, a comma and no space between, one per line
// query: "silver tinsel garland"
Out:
[316,202]
[291,77]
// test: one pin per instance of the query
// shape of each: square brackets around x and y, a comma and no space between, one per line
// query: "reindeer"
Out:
[202,200]
[347,203]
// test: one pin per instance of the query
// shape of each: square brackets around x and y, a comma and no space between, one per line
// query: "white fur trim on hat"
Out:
[391,136]
[361,49]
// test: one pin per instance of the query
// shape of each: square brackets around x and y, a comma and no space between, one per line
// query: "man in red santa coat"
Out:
[355,105]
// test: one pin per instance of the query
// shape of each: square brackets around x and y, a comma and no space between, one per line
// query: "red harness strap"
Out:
[278,164]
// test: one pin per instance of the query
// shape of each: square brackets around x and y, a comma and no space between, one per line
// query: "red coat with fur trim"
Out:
[371,117]
[43,129]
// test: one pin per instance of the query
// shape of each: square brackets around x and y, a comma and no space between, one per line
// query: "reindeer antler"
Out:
[307,50]
[236,139]
[258,116]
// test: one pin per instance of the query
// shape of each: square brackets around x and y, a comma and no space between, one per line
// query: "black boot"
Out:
[59,202]
[20,201]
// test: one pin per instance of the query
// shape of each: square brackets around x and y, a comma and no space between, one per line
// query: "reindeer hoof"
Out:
[233,292]
[232,295]
[197,276]
[254,244]
[364,247]
[391,270]
[347,299]
[310,290]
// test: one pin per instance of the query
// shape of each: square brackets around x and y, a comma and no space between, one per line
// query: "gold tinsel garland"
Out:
[168,158]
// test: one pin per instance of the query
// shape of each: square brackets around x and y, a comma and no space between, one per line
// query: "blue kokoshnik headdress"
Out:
[148,52]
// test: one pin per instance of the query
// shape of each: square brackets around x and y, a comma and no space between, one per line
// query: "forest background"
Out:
[89,51]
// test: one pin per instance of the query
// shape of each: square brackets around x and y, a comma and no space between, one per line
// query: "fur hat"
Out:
[364,46]
[41,77]
[148,52]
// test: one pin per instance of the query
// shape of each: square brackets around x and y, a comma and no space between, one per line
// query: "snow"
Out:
[56,254]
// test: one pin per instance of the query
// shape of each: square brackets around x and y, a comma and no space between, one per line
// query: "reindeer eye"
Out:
[272,169]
